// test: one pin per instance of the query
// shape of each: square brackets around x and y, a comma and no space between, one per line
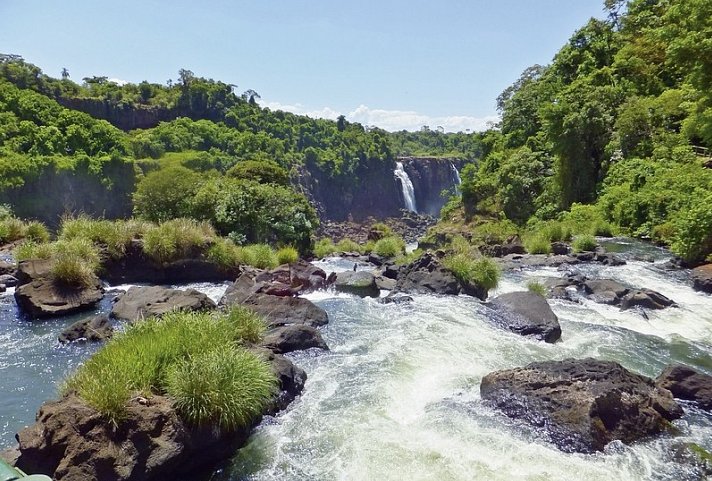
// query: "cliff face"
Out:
[124,117]
[431,176]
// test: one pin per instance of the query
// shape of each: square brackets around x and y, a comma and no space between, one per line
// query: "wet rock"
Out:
[396,299]
[142,302]
[43,297]
[560,248]
[7,268]
[295,337]
[607,291]
[8,280]
[582,404]
[93,329]
[290,378]
[385,283]
[702,278]
[280,311]
[646,299]
[391,271]
[686,383]
[526,313]
[30,270]
[360,283]
[604,288]
[376,260]
[427,275]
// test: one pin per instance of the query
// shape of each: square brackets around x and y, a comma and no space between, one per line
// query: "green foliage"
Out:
[74,262]
[263,172]
[246,324]
[460,245]
[263,256]
[347,245]
[537,244]
[225,253]
[381,230]
[584,243]
[166,194]
[324,248]
[536,287]
[156,356]
[389,246]
[31,250]
[287,255]
[693,231]
[405,259]
[12,229]
[482,271]
[114,236]
[36,232]
[177,239]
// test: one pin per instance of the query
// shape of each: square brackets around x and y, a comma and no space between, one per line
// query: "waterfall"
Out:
[407,186]
[455,174]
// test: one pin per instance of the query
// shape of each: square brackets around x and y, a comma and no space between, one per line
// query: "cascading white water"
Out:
[455,175]
[406,186]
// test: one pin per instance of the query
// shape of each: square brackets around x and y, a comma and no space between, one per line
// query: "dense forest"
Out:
[617,129]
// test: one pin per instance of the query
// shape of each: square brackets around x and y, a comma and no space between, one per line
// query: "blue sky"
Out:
[391,63]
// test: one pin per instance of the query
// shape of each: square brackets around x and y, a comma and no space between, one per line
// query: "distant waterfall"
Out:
[455,174]
[407,186]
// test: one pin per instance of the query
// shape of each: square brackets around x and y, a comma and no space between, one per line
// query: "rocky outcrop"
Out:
[427,275]
[527,314]
[607,291]
[92,329]
[71,441]
[141,302]
[43,297]
[702,278]
[582,404]
[409,225]
[7,268]
[558,259]
[360,283]
[686,383]
[294,337]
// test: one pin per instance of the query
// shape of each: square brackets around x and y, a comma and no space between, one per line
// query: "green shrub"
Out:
[601,228]
[537,287]
[389,246]
[405,259]
[693,232]
[537,244]
[261,171]
[583,243]
[146,358]
[581,217]
[324,248]
[554,231]
[494,232]
[225,387]
[177,239]
[347,245]
[115,236]
[460,245]
[32,250]
[74,262]
[263,256]
[11,229]
[379,230]
[368,247]
[287,255]
[246,325]
[483,271]
[37,232]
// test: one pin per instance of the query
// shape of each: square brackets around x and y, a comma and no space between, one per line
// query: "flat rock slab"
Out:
[702,278]
[526,313]
[295,337]
[279,311]
[360,283]
[686,383]
[41,298]
[582,404]
[93,329]
[142,302]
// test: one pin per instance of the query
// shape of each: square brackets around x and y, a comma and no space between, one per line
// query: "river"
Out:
[397,396]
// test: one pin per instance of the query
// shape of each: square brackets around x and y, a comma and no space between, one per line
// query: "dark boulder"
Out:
[8,280]
[702,278]
[686,383]
[290,378]
[360,283]
[391,271]
[7,268]
[526,313]
[34,269]
[646,299]
[560,248]
[395,299]
[607,291]
[43,297]
[385,283]
[294,337]
[92,329]
[582,404]
[427,275]
[142,302]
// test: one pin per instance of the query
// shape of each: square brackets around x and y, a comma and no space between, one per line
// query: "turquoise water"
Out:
[397,397]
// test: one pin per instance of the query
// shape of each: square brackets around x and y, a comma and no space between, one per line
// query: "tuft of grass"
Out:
[601,228]
[36,232]
[537,287]
[324,248]
[583,243]
[115,236]
[537,244]
[482,271]
[389,246]
[263,256]
[74,262]
[460,245]
[379,230]
[347,245]
[12,229]
[177,239]
[224,387]
[224,253]
[157,356]
[287,255]
[405,259]
[246,325]
[32,250]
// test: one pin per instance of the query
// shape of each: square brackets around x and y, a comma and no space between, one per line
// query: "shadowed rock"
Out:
[360,283]
[295,337]
[42,297]
[142,302]
[93,329]
[702,278]
[427,275]
[686,383]
[526,313]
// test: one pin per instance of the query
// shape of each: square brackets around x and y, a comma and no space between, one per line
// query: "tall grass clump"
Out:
[379,230]
[537,244]
[287,255]
[225,253]
[389,246]
[176,355]
[583,243]
[33,250]
[482,271]
[74,262]
[246,325]
[601,228]
[36,232]
[263,255]
[347,245]
[324,248]
[115,236]
[177,239]
[460,245]
[536,287]
[12,229]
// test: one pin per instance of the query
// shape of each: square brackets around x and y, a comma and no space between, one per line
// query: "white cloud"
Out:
[392,120]
[118,81]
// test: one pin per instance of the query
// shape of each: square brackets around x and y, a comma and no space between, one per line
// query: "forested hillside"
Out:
[621,119]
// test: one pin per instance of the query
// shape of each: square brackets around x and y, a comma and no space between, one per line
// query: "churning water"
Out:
[397,397]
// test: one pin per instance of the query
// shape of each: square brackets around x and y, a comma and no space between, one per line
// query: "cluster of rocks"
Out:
[410,226]
[607,291]
[702,278]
